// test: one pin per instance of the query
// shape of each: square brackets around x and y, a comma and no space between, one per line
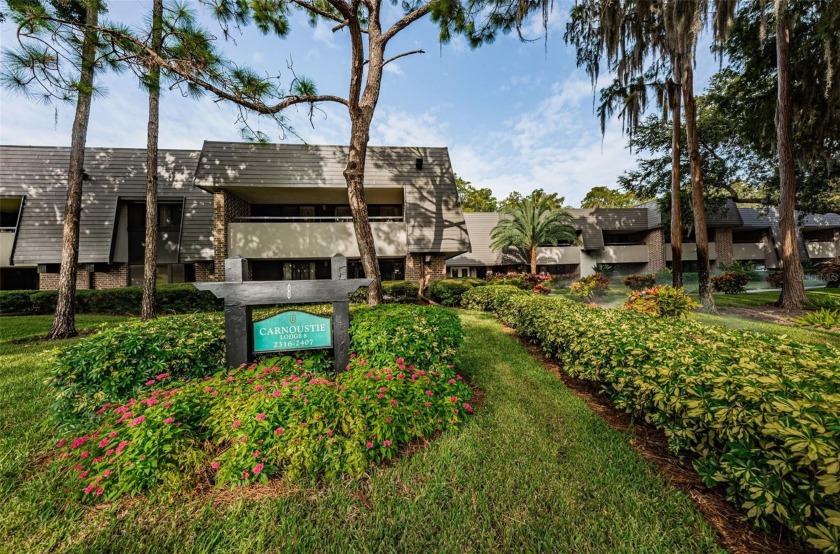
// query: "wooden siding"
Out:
[40,174]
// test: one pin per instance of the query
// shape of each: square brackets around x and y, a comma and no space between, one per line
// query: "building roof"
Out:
[434,222]
[40,175]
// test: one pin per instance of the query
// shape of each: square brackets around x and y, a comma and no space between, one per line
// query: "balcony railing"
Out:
[316,219]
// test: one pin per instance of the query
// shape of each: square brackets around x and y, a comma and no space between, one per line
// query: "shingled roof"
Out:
[434,222]
[40,175]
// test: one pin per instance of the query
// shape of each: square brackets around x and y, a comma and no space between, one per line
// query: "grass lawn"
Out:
[535,469]
[809,335]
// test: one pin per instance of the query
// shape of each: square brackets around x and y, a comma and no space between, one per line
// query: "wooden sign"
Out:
[241,295]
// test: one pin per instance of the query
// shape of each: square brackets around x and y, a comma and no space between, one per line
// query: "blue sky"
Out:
[514,115]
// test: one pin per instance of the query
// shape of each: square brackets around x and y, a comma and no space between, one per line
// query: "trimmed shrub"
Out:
[172,299]
[447,292]
[639,282]
[248,424]
[15,301]
[424,336]
[393,292]
[830,273]
[776,279]
[114,364]
[661,301]
[730,282]
[590,287]
[746,268]
[758,413]
[487,299]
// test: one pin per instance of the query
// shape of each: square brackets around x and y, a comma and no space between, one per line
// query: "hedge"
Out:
[172,299]
[448,292]
[759,414]
[489,298]
[393,292]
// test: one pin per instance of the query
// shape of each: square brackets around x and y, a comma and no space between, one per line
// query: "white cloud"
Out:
[393,127]
[323,33]
[393,68]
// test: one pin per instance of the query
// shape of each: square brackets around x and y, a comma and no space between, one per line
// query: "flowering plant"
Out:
[590,287]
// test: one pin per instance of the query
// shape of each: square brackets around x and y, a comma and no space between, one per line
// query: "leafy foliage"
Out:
[775,278]
[15,301]
[758,413]
[114,364]
[447,292]
[489,298]
[639,282]
[661,301]
[248,424]
[821,318]
[730,282]
[830,273]
[605,197]
[525,281]
[424,336]
[746,268]
[474,199]
[590,287]
[393,292]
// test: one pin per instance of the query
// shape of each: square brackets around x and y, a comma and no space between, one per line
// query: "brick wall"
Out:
[723,246]
[416,269]
[49,281]
[655,242]
[226,207]
[115,277]
[204,271]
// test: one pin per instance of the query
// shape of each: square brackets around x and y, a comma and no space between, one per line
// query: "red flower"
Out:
[169,420]
[61,443]
[89,489]
[279,431]
[394,402]
[103,443]
[85,454]
[106,473]
[386,443]
[215,465]
[150,382]
[162,376]
[276,393]
[260,417]
[257,469]
[400,361]
[137,421]
[467,407]
[429,393]
[369,445]
[237,423]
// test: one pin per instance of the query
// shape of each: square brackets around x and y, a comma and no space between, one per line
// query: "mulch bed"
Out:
[734,534]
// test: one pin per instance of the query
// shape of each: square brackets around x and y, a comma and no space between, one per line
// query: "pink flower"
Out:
[429,393]
[109,451]
[400,361]
[257,388]
[78,442]
[237,423]
[388,419]
[150,382]
[169,420]
[402,366]
[89,489]
[215,465]
[276,393]
[386,443]
[258,468]
[61,443]
[208,389]
[83,474]
[394,402]
[427,404]
[121,446]
[106,473]
[458,377]
[260,417]
[256,454]
[453,399]
[162,376]
[167,404]
[369,445]
[137,421]
[380,395]
[103,443]
[353,356]
[85,454]
[279,431]
[467,407]
[382,389]
[112,434]
[329,432]
[99,491]
[298,362]
[451,381]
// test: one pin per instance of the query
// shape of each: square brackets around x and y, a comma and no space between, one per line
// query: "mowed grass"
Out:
[534,470]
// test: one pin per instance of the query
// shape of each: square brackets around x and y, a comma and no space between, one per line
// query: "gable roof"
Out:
[433,217]
[40,175]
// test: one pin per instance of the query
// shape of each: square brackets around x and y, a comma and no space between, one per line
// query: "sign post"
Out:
[290,330]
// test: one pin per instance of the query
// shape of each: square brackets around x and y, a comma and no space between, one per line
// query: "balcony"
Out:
[748,251]
[312,237]
[822,250]
[622,254]
[558,255]
[7,240]
[689,253]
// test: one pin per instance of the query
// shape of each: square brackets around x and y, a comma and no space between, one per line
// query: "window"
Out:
[748,237]
[169,217]
[819,235]
[623,239]
[9,211]
[456,272]
[166,273]
[391,269]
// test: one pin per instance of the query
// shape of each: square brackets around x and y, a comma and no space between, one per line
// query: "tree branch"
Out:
[404,54]
[407,20]
[315,9]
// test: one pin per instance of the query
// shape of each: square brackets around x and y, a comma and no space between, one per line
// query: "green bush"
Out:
[423,336]
[830,273]
[758,413]
[822,299]
[821,318]
[114,364]
[15,301]
[393,292]
[639,282]
[447,292]
[172,299]
[661,301]
[746,268]
[244,425]
[488,298]
[776,279]
[730,282]
[590,287]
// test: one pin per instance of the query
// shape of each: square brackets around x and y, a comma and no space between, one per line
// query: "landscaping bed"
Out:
[759,414]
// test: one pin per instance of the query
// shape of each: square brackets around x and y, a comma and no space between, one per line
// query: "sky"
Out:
[515,116]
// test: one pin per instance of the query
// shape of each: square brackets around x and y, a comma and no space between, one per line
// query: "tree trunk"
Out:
[533,260]
[697,200]
[676,197]
[148,308]
[64,322]
[793,286]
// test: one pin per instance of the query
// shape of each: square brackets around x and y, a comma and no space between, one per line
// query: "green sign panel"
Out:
[292,330]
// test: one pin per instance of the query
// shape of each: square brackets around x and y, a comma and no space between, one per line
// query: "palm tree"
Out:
[530,222]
